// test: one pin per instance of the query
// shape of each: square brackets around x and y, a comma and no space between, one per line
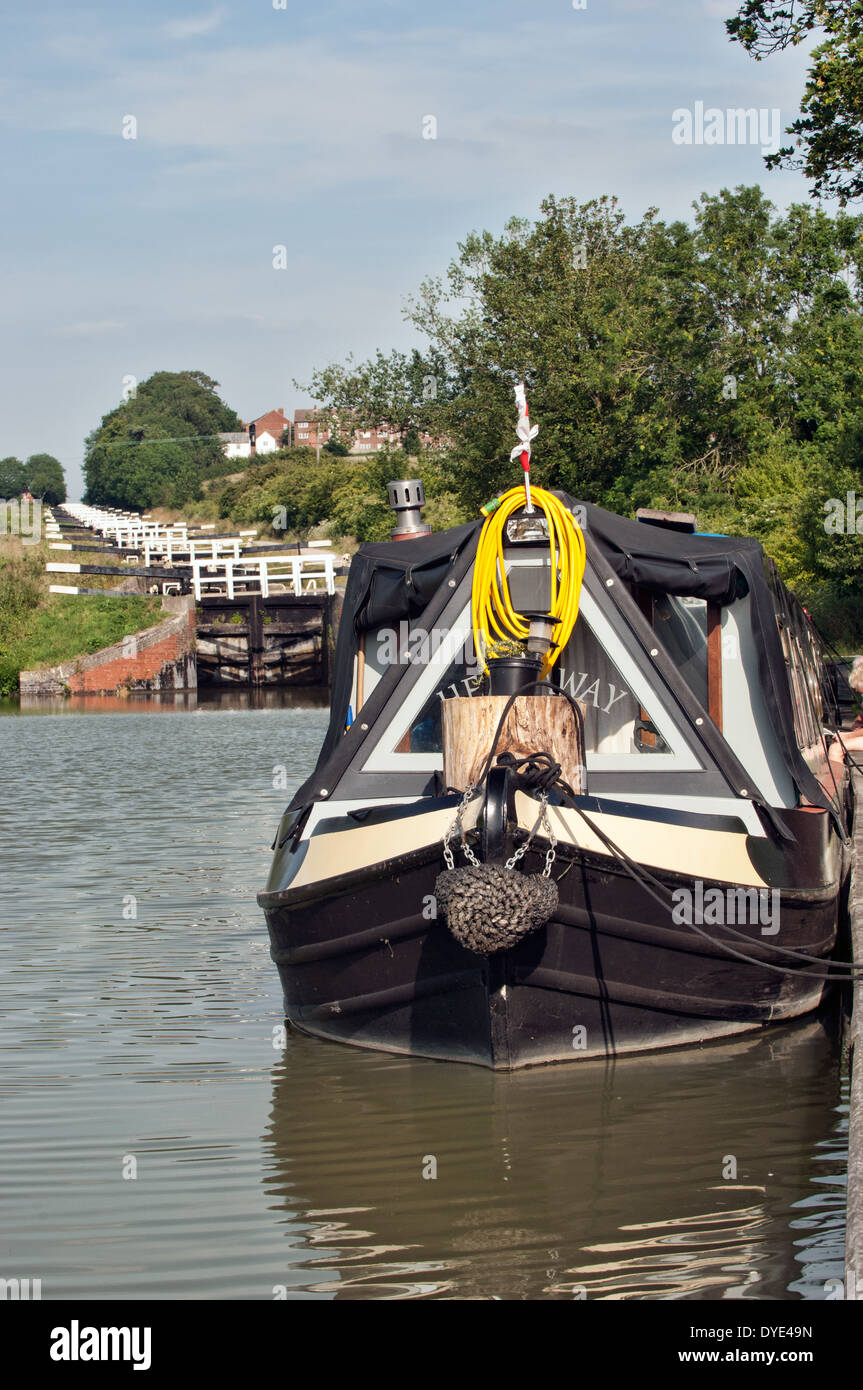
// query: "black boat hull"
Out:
[364,960]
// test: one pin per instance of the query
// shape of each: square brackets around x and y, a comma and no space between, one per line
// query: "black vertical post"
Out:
[255,639]
[326,636]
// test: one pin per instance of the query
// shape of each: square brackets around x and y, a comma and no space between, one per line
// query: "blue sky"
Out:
[303,127]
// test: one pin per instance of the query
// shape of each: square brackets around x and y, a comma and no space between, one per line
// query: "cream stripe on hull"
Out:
[718,855]
[328,856]
[721,855]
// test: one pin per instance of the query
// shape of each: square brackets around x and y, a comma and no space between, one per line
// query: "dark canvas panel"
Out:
[396,581]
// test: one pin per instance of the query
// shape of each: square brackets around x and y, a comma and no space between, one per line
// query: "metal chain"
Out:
[520,853]
[456,829]
[541,820]
[550,855]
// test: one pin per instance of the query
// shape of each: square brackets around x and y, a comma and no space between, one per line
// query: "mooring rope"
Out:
[540,771]
[650,884]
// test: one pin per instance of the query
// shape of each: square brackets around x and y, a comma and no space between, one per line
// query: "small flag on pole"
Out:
[526,432]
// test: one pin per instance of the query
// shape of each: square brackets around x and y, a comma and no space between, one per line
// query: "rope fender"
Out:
[490,907]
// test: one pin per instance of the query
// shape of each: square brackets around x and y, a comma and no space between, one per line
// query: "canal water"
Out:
[161,1138]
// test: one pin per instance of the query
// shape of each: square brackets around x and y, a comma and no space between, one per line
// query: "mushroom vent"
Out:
[407,498]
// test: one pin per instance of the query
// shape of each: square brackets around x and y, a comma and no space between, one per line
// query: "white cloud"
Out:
[92,328]
[195,25]
[544,107]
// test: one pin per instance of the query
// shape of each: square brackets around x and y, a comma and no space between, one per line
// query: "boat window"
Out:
[802,662]
[424,735]
[681,626]
[615,721]
[625,727]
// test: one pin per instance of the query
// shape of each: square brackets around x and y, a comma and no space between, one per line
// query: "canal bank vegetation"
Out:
[40,629]
[344,496]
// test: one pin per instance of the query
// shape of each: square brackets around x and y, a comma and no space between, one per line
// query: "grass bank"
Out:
[40,629]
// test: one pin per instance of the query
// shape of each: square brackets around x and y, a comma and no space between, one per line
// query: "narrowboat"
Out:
[574,800]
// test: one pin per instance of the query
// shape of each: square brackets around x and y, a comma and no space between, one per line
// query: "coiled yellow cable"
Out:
[491,607]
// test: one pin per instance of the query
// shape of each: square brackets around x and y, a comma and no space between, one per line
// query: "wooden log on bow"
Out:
[535,724]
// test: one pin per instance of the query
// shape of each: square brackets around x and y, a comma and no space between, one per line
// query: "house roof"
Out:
[308,417]
[275,421]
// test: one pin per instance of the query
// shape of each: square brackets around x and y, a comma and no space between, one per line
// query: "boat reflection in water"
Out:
[603,1181]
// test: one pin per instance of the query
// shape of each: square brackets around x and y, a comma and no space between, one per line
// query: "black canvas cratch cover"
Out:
[396,580]
[388,582]
[671,562]
[718,569]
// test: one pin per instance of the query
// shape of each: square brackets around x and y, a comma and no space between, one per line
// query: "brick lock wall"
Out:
[161,658]
[143,667]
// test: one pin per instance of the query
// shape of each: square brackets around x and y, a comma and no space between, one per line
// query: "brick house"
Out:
[307,430]
[365,441]
[269,431]
[274,424]
[369,441]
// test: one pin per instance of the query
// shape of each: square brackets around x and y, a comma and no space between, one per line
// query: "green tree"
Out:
[828,143]
[43,475]
[159,445]
[402,390]
[337,446]
[594,314]
[11,477]
[712,366]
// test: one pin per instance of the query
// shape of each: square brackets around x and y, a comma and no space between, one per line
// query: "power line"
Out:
[181,439]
